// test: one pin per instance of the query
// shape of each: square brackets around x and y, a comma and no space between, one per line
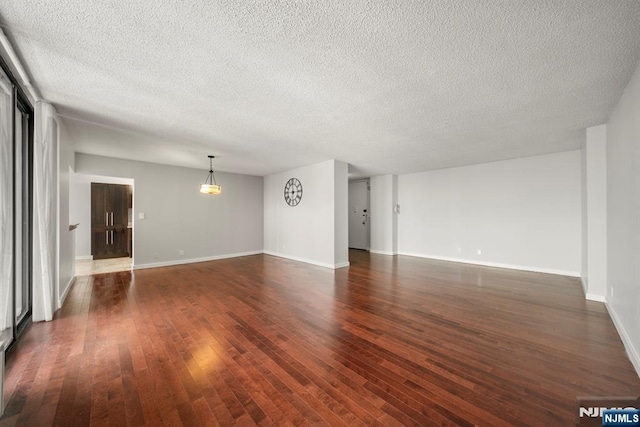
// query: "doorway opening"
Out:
[359,227]
[103,208]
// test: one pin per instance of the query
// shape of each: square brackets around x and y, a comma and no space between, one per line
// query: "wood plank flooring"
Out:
[261,340]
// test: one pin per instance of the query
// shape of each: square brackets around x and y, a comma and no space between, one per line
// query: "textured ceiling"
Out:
[388,86]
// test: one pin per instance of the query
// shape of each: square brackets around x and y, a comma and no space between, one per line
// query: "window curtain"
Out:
[6,210]
[44,164]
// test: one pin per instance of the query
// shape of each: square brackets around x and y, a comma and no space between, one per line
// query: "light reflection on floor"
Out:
[99,266]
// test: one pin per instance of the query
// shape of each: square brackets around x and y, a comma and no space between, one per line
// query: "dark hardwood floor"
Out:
[267,341]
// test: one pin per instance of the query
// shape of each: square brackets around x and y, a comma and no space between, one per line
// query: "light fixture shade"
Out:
[210,186]
[210,189]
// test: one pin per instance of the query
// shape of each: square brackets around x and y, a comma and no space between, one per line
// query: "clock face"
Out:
[293,192]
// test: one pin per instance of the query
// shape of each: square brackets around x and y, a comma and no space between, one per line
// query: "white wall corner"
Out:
[591,296]
[65,292]
[585,284]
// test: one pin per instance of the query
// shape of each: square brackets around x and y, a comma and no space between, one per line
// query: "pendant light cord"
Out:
[211,178]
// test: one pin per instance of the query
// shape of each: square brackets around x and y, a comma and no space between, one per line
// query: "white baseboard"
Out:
[341,265]
[589,295]
[383,252]
[84,258]
[496,264]
[632,352]
[193,260]
[308,261]
[595,297]
[65,292]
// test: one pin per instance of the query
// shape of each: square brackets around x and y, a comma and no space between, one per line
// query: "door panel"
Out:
[99,221]
[98,205]
[119,207]
[120,246]
[109,217]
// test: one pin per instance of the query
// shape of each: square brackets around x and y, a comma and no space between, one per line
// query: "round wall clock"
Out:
[293,192]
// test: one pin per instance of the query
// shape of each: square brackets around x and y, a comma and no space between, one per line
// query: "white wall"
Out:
[341,214]
[314,231]
[623,217]
[384,221]
[80,208]
[584,259]
[394,217]
[179,217]
[66,244]
[523,213]
[594,213]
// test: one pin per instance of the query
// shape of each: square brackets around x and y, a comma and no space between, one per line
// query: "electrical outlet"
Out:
[459,250]
[479,252]
[155,255]
[611,292]
[180,252]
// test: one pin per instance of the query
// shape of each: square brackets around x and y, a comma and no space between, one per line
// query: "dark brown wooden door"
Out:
[99,221]
[109,220]
[120,218]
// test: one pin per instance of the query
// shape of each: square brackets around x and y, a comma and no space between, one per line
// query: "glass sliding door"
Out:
[24,211]
[16,208]
[19,223]
[7,211]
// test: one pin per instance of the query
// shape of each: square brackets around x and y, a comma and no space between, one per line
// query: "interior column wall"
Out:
[594,245]
[316,230]
[384,220]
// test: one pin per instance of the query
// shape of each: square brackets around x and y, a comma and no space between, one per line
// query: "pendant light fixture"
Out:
[210,186]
